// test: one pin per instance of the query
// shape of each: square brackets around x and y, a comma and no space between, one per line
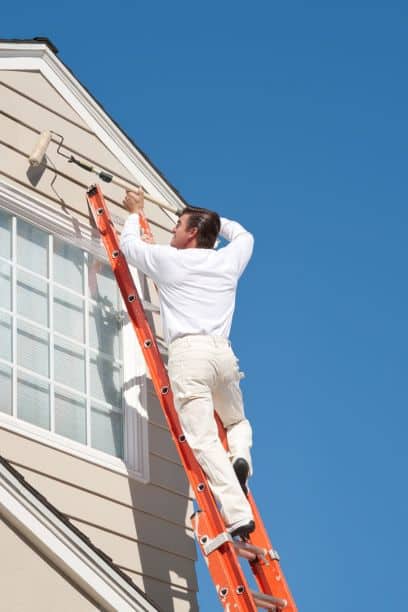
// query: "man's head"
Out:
[196,228]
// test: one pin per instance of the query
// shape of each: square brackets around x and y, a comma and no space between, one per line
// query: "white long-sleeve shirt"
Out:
[197,286]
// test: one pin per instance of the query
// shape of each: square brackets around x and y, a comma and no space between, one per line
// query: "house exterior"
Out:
[82,435]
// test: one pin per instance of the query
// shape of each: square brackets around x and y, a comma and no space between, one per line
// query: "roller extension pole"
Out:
[37,155]
[219,549]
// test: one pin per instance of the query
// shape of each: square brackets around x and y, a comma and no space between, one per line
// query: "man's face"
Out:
[183,237]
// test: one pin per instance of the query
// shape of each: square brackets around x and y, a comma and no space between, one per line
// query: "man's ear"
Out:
[193,232]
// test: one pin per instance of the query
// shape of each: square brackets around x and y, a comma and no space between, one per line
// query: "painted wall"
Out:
[30,582]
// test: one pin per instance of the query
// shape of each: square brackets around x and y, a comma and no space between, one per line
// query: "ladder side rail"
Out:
[266,570]
[223,563]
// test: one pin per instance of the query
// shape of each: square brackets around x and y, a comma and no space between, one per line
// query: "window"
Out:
[62,345]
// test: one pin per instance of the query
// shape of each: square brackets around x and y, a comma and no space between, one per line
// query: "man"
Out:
[197,287]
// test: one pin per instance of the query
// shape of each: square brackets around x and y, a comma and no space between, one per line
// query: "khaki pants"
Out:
[204,376]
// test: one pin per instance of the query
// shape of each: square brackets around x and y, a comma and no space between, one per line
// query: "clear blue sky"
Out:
[291,117]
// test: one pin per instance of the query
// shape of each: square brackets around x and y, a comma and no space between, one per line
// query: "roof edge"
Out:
[95,112]
[16,493]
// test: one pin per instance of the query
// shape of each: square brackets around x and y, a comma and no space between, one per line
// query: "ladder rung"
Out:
[268,602]
[249,551]
[150,307]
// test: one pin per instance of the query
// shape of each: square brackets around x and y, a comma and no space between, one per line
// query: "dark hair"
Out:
[206,221]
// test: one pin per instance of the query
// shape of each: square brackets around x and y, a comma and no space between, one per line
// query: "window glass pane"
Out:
[69,363]
[68,266]
[68,314]
[5,336]
[102,283]
[5,389]
[5,234]
[70,416]
[33,403]
[5,285]
[32,297]
[104,329]
[107,430]
[32,247]
[105,380]
[32,348]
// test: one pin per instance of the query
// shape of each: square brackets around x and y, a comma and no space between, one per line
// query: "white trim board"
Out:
[81,563]
[38,57]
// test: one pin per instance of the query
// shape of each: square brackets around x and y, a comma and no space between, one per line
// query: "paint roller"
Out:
[38,157]
[38,153]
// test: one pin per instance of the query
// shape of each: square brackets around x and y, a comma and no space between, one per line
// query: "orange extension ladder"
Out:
[220,550]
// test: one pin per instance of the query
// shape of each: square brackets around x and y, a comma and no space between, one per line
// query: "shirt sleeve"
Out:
[154,260]
[241,244]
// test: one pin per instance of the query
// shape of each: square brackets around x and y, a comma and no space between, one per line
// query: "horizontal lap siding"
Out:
[174,569]
[97,480]
[144,528]
[30,582]
[155,411]
[72,180]
[161,444]
[178,599]
[31,84]
[40,118]
[122,520]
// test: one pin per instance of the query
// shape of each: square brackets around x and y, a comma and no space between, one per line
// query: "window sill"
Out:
[70,447]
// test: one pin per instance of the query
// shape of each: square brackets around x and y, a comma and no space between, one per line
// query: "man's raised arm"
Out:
[241,243]
[151,259]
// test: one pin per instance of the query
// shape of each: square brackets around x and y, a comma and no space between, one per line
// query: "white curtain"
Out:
[69,315]
[5,285]
[32,248]
[70,415]
[68,266]
[32,298]
[5,389]
[107,430]
[33,400]
[5,235]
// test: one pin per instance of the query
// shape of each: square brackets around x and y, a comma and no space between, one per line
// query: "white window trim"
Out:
[136,449]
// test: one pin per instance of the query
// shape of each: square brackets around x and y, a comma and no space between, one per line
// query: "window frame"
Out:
[135,422]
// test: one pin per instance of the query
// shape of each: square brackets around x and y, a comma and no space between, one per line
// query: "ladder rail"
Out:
[265,568]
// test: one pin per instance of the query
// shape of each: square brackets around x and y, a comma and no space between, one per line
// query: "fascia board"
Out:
[61,545]
[40,58]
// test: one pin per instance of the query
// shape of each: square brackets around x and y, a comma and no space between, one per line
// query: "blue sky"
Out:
[292,118]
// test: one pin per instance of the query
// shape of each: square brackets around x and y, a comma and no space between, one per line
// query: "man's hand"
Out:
[147,238]
[134,200]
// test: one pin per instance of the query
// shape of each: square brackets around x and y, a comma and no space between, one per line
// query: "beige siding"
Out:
[179,600]
[21,122]
[155,411]
[30,85]
[30,582]
[144,528]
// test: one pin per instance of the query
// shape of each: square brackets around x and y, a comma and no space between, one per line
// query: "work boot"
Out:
[241,468]
[241,529]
